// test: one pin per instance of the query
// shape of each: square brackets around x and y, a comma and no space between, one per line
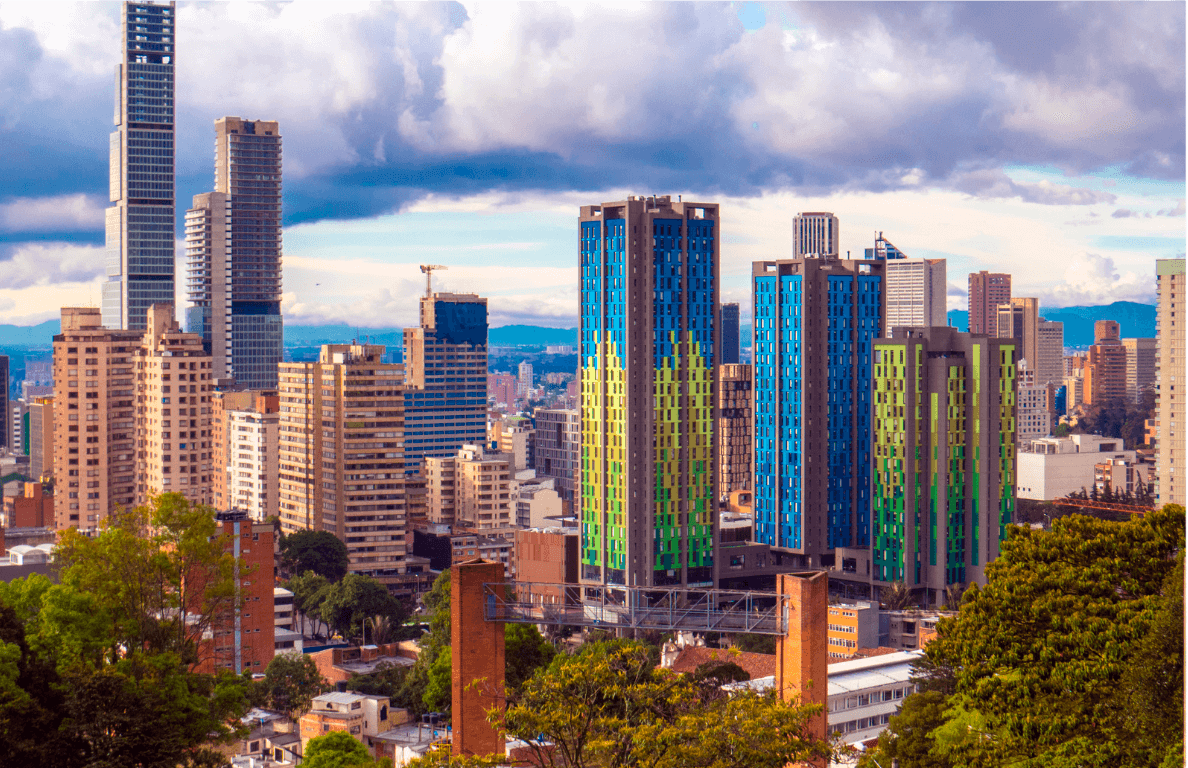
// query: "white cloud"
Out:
[42,264]
[64,213]
[1091,279]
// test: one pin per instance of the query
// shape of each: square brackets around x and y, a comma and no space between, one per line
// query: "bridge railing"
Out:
[618,607]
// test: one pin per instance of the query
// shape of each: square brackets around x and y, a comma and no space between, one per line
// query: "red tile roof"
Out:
[755,664]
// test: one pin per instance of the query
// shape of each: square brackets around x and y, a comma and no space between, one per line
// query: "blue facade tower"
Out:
[815,324]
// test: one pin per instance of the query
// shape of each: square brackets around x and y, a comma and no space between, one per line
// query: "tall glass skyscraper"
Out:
[140,223]
[649,301]
[233,246]
[445,369]
[730,337]
[815,323]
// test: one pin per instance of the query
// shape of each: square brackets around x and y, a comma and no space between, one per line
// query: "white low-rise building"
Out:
[1053,467]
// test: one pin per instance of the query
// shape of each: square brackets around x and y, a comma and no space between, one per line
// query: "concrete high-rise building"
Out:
[1105,368]
[815,234]
[94,417]
[445,400]
[341,436]
[1049,367]
[649,346]
[944,443]
[1140,367]
[736,433]
[140,223]
[501,388]
[244,426]
[1169,371]
[233,246]
[471,490]
[987,290]
[1033,412]
[18,412]
[1019,319]
[524,379]
[558,448]
[883,250]
[917,292]
[173,437]
[815,323]
[243,639]
[5,430]
[730,334]
[41,438]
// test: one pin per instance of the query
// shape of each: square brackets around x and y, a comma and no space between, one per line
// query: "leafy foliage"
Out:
[338,749]
[610,706]
[1073,644]
[319,551]
[99,669]
[290,683]
[896,596]
[346,605]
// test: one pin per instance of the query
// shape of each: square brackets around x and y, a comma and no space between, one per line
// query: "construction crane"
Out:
[428,269]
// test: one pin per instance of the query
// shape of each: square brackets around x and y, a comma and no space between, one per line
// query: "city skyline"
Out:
[1074,155]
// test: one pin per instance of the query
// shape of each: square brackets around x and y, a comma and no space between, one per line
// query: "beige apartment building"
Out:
[341,436]
[1105,367]
[94,417]
[173,440]
[245,427]
[471,490]
[1169,373]
[41,438]
[1140,367]
[987,290]
[1049,364]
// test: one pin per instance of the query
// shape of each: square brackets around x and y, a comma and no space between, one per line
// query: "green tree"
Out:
[1043,666]
[290,683]
[438,692]
[896,596]
[754,643]
[909,739]
[319,551]
[609,706]
[358,597]
[337,749]
[100,668]
[525,651]
[309,592]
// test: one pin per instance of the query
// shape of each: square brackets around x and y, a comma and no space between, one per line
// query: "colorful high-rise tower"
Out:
[944,452]
[140,226]
[815,322]
[649,301]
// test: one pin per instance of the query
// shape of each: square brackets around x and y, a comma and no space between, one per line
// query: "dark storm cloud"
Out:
[393,102]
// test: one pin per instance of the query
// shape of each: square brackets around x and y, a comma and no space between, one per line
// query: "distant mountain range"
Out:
[41,335]
[1135,319]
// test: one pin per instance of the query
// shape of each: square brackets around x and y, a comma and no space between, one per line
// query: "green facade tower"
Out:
[944,457]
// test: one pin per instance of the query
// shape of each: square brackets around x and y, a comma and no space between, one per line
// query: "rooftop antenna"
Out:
[428,269]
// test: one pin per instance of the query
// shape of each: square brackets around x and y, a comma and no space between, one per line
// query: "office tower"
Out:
[140,222]
[649,301]
[1018,319]
[558,447]
[735,428]
[233,246]
[815,321]
[41,438]
[1140,367]
[244,427]
[916,294]
[1074,393]
[1169,371]
[1049,367]
[470,490]
[815,235]
[524,379]
[95,431]
[730,334]
[341,460]
[173,411]
[944,481]
[445,399]
[1105,368]
[987,290]
[4,409]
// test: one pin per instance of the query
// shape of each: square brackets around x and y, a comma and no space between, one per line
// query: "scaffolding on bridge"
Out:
[617,607]
[1105,506]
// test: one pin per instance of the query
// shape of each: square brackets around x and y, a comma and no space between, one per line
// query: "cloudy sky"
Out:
[1043,139]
